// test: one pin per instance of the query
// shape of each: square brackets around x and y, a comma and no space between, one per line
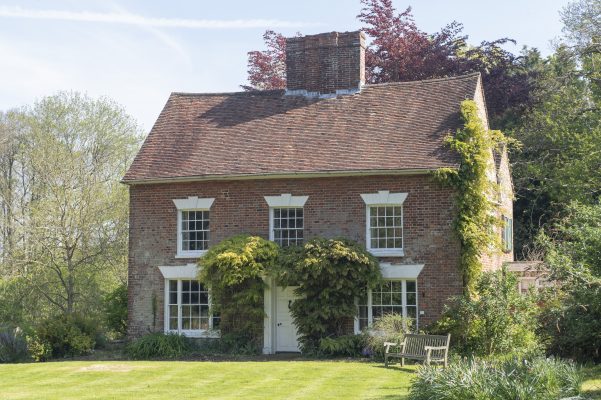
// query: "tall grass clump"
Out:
[515,379]
[388,328]
[158,345]
[13,347]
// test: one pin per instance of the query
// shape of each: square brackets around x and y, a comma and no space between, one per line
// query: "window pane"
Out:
[204,311]
[195,230]
[288,226]
[194,305]
[410,286]
[386,227]
[203,298]
[411,299]
[186,311]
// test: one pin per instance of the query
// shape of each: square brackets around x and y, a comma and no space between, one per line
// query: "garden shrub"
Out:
[571,321]
[234,271]
[13,346]
[515,379]
[329,275]
[63,335]
[499,320]
[238,343]
[158,345]
[571,315]
[115,308]
[388,328]
[347,345]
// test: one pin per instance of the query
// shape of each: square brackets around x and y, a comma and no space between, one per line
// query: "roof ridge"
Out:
[244,92]
[269,92]
[446,78]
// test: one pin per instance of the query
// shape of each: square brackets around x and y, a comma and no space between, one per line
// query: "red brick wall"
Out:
[326,62]
[334,208]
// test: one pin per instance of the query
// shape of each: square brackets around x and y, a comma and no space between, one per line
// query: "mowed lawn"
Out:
[148,380]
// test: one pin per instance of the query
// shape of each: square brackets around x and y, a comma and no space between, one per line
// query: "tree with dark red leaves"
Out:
[267,69]
[399,51]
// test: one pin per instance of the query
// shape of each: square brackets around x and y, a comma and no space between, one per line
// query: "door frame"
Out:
[270,320]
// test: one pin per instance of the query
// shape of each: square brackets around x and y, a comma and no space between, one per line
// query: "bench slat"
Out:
[415,348]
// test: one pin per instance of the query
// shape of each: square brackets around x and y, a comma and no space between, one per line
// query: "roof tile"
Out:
[385,127]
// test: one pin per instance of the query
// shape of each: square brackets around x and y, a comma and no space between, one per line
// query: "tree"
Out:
[561,157]
[400,51]
[66,237]
[267,69]
[572,312]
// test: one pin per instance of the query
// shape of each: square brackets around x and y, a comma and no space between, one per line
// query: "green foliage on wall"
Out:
[234,270]
[329,275]
[476,220]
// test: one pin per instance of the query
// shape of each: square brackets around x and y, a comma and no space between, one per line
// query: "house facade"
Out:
[328,157]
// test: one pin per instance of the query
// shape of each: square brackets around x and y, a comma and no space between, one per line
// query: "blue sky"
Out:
[137,52]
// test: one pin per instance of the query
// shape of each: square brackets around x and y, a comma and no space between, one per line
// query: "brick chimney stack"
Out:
[325,65]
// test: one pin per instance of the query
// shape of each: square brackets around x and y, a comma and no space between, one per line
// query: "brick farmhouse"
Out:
[329,156]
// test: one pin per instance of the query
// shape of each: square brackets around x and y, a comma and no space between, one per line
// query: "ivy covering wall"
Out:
[329,274]
[477,220]
[234,270]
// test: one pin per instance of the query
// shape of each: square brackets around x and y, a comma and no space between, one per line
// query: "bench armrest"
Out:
[435,348]
[388,345]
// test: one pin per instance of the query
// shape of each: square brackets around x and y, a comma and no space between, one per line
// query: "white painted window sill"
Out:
[195,254]
[387,252]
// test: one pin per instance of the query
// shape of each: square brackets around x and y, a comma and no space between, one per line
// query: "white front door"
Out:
[285,338]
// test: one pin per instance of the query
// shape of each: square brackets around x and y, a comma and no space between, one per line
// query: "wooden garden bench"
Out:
[426,348]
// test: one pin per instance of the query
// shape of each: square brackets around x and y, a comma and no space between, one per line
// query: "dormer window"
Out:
[193,226]
[384,223]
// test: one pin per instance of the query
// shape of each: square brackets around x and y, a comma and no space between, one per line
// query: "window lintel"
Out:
[384,197]
[194,203]
[286,200]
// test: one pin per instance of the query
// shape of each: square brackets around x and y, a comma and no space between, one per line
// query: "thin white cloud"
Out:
[141,20]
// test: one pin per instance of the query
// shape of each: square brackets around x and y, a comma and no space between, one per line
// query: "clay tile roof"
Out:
[385,127]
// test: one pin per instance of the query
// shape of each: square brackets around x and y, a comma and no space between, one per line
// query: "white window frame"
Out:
[285,200]
[179,274]
[384,199]
[192,203]
[507,234]
[395,272]
[369,304]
